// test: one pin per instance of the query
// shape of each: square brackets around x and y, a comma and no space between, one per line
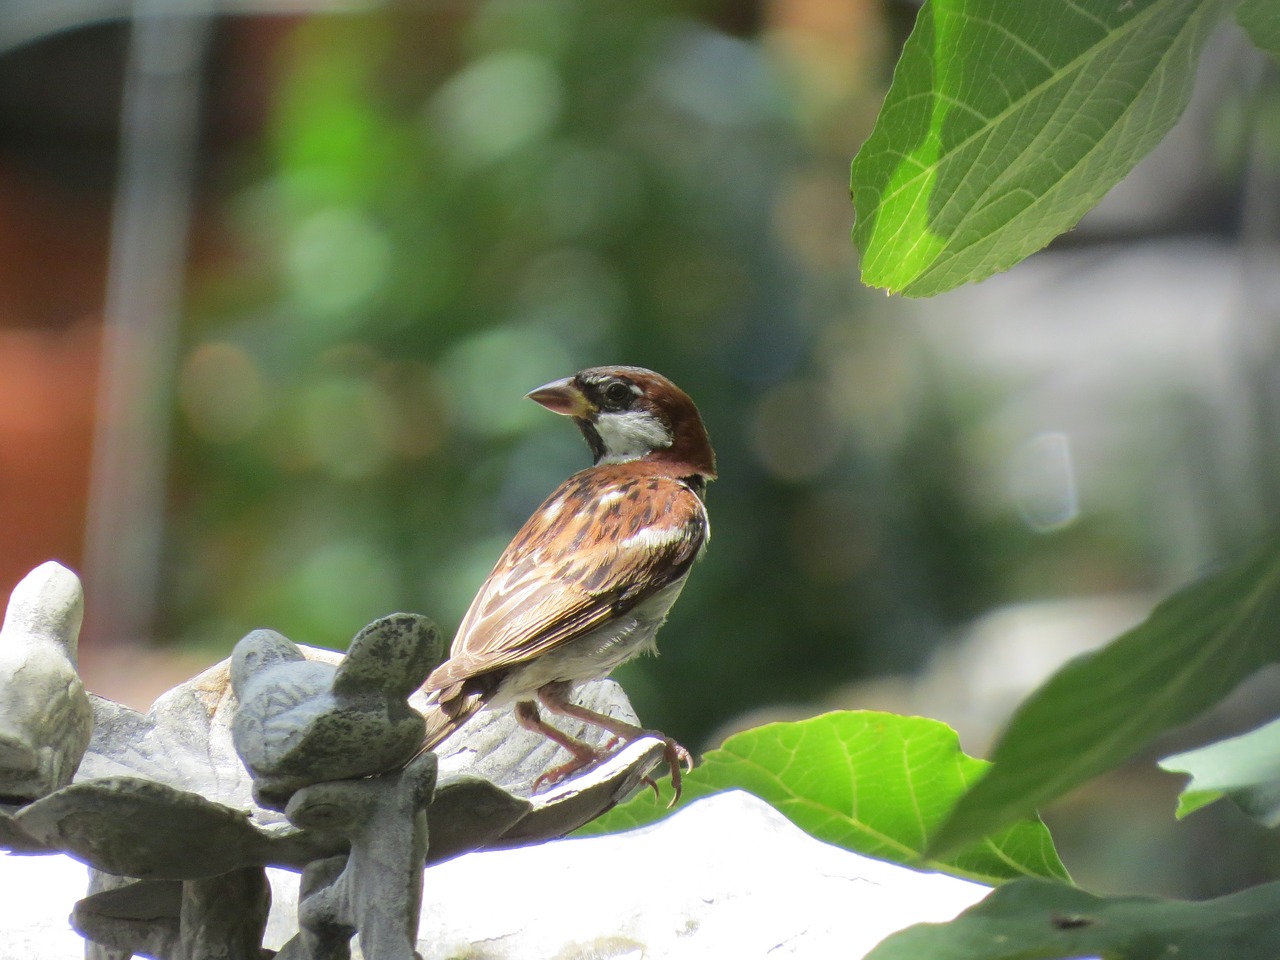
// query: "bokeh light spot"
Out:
[421,409]
[221,391]
[589,192]
[496,105]
[718,79]
[337,259]
[792,433]
[1043,479]
[487,376]
[349,426]
[343,582]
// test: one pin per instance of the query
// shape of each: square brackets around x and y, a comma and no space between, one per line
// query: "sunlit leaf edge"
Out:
[1158,101]
[1016,850]
[1244,768]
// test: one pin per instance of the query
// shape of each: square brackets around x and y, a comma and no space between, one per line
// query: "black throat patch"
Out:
[593,438]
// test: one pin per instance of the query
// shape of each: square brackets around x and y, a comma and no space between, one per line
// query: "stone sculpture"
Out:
[286,756]
[45,724]
[300,721]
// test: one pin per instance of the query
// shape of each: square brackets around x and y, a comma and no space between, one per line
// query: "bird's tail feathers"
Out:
[446,712]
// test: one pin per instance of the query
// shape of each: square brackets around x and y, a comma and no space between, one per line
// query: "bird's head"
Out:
[629,413]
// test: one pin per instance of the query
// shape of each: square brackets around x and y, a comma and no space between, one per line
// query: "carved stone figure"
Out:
[301,721]
[45,717]
[178,830]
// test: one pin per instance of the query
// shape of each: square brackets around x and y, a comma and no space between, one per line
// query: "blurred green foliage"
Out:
[453,208]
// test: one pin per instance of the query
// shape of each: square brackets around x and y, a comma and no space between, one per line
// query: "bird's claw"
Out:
[650,782]
[680,761]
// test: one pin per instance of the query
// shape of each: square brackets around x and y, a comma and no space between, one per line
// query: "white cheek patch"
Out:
[630,435]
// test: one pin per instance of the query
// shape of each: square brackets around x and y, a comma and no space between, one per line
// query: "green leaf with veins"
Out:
[872,782]
[1007,121]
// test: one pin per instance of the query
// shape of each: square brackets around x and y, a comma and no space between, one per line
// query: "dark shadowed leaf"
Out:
[1039,920]
[1100,708]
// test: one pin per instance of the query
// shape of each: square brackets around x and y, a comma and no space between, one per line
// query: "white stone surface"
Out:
[36,897]
[726,877]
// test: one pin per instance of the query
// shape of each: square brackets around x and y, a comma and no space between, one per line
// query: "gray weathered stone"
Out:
[217,918]
[180,844]
[302,721]
[45,717]
[178,829]
[377,894]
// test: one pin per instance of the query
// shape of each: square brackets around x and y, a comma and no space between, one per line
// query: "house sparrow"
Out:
[588,580]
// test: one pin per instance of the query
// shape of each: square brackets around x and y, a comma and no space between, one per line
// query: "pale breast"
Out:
[594,655]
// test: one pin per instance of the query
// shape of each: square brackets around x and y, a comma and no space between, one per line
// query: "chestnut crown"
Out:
[630,413]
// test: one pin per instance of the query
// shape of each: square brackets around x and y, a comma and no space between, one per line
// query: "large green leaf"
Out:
[1261,18]
[1245,768]
[1035,919]
[872,782]
[1099,709]
[1007,121]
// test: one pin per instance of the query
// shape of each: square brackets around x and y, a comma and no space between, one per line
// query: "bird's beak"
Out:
[561,396]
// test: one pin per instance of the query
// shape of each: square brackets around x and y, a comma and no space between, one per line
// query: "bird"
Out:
[587,581]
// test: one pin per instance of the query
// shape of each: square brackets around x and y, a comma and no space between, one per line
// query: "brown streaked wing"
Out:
[607,547]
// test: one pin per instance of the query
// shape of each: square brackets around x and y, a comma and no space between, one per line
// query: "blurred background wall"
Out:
[274,277]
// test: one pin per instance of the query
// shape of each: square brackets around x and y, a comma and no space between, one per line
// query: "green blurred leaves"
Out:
[1099,709]
[450,207]
[1037,920]
[1261,20]
[1245,768]
[1006,122]
[872,782]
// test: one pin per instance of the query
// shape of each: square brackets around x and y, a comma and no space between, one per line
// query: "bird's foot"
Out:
[554,697]
[679,761]
[583,753]
[565,770]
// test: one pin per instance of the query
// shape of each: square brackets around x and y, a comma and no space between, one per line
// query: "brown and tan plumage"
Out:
[588,580]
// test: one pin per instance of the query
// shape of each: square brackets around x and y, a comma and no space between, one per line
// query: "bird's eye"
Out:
[618,395]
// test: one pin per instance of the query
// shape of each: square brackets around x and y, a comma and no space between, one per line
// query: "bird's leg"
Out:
[554,697]
[583,754]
